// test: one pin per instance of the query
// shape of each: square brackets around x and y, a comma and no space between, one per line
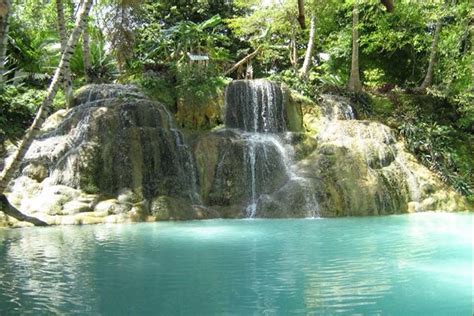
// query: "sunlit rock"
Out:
[74,207]
[361,168]
[169,208]
[36,171]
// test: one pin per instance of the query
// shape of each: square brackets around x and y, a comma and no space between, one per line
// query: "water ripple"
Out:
[417,264]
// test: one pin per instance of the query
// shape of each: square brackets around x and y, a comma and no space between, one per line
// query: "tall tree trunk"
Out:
[434,48]
[5,9]
[67,81]
[309,50]
[354,80]
[292,54]
[43,111]
[86,54]
[301,17]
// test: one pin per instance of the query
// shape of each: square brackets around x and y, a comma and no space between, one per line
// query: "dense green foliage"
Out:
[150,42]
[18,106]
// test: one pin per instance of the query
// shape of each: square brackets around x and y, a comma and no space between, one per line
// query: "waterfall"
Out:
[250,157]
[262,151]
[412,182]
[255,109]
[255,106]
[116,138]
[375,147]
[118,145]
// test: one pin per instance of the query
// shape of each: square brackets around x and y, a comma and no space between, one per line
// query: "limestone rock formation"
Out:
[358,168]
[117,157]
[114,140]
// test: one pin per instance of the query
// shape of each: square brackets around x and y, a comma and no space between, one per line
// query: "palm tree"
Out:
[42,113]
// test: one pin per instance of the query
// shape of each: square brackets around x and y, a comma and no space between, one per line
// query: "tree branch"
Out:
[241,62]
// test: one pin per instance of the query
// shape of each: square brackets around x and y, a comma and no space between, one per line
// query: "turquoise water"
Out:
[397,265]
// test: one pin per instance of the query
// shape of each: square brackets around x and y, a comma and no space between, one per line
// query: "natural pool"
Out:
[418,264]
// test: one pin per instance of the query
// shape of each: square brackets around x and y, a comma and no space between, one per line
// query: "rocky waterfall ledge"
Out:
[117,156]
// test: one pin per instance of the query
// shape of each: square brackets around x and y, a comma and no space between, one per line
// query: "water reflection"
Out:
[47,270]
[394,265]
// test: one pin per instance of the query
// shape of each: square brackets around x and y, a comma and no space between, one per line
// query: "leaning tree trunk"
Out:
[5,8]
[12,211]
[43,111]
[86,54]
[67,81]
[434,48]
[354,80]
[309,50]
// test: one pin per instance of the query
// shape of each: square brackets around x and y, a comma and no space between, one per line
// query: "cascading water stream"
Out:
[375,144]
[250,156]
[186,159]
[99,108]
[257,110]
[412,182]
[254,107]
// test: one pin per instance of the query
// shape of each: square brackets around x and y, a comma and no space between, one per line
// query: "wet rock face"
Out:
[342,167]
[360,168]
[115,139]
[226,170]
[352,168]
[255,106]
[336,108]
[293,199]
